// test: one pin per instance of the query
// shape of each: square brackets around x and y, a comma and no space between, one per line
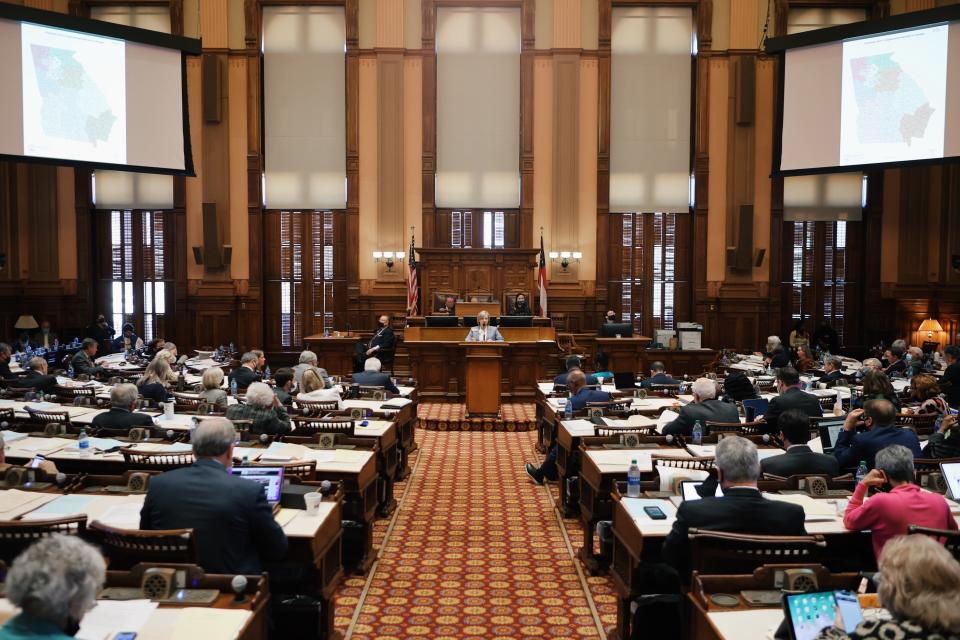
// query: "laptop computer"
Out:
[951,474]
[829,432]
[625,380]
[688,490]
[759,405]
[270,477]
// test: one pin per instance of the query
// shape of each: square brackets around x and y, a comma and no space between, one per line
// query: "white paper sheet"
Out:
[111,617]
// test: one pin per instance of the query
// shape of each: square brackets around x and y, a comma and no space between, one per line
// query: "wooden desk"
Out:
[335,354]
[458,334]
[471,309]
[625,354]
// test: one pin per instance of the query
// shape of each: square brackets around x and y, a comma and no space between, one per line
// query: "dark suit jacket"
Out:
[383,339]
[5,370]
[898,368]
[585,395]
[118,342]
[852,447]
[375,379]
[950,382]
[122,419]
[711,410]
[154,391]
[792,398]
[830,378]
[232,523]
[779,358]
[800,460]
[562,379]
[83,364]
[245,376]
[740,510]
[660,378]
[37,380]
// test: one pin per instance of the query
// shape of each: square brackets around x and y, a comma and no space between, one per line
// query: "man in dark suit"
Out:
[6,352]
[45,338]
[799,459]
[448,305]
[36,377]
[123,401]
[950,382]
[371,376]
[741,509]
[246,374]
[381,344]
[704,408]
[658,375]
[232,523]
[832,366]
[791,396]
[580,395]
[897,366]
[101,331]
[879,416]
[573,364]
[82,360]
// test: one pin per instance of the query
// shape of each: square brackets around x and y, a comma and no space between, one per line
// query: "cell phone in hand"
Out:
[125,635]
[655,513]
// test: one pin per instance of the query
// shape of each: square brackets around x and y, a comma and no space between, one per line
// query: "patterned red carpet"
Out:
[451,416]
[474,551]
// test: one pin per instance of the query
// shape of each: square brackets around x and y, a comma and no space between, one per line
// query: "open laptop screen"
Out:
[829,432]
[270,477]
[951,473]
[688,489]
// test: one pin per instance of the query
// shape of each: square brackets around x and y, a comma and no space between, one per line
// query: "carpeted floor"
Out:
[452,416]
[474,551]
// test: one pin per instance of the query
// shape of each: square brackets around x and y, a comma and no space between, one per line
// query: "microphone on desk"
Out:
[61,478]
[348,329]
[239,585]
[264,438]
[326,488]
[169,434]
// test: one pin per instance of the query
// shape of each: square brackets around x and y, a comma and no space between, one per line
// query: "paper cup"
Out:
[312,501]
[168,410]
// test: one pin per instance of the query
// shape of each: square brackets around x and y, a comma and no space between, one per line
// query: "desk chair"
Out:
[928,474]
[69,395]
[307,426]
[705,463]
[316,407]
[664,390]
[128,547]
[948,538]
[304,471]
[17,535]
[734,428]
[724,553]
[7,417]
[156,461]
[921,423]
[187,402]
[49,417]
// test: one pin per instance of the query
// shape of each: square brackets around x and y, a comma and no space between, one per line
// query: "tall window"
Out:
[654,283]
[300,275]
[492,229]
[817,285]
[139,274]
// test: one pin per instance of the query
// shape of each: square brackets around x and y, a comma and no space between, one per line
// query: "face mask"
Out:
[908,357]
[45,331]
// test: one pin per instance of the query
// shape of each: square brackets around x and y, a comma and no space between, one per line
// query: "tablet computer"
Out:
[951,474]
[807,614]
[688,489]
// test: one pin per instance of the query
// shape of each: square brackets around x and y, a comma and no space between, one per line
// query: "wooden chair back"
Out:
[724,553]
[316,407]
[7,417]
[127,547]
[947,537]
[306,426]
[156,461]
[303,470]
[705,463]
[187,402]
[922,423]
[17,535]
[70,394]
[38,416]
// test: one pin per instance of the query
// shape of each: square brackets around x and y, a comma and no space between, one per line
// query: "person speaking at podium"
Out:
[483,332]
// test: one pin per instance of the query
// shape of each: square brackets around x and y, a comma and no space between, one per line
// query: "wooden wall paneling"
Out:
[352,227]
[9,266]
[44,254]
[606,239]
[527,48]
[430,236]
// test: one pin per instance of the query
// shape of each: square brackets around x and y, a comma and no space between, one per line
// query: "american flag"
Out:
[413,293]
[542,280]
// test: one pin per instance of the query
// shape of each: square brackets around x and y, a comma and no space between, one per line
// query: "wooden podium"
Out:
[483,377]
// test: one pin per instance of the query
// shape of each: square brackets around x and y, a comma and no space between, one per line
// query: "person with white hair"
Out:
[483,332]
[741,508]
[775,355]
[705,407]
[212,382]
[36,377]
[263,409]
[312,390]
[246,374]
[833,368]
[371,376]
[123,413]
[54,583]
[309,361]
[233,525]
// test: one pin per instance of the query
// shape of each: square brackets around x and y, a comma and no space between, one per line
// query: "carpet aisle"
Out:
[475,551]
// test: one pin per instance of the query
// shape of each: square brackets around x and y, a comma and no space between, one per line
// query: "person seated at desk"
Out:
[261,362]
[658,375]
[920,590]
[832,365]
[950,381]
[877,386]
[45,338]
[122,413]
[868,365]
[580,395]
[371,377]
[610,317]
[448,306]
[212,383]
[6,353]
[520,306]
[100,331]
[915,362]
[283,385]
[897,365]
[946,442]
[313,389]
[804,359]
[704,408]
[246,373]
[127,340]
[153,383]
[233,526]
[483,332]
[36,377]
[22,343]
[573,364]
[799,460]
[879,416]
[152,348]
[741,509]
[791,396]
[889,513]
[82,360]
[263,409]
[308,360]
[54,583]
[737,387]
[383,341]
[775,356]
[925,390]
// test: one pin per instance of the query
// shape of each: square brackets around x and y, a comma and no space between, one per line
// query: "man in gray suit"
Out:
[705,407]
[483,332]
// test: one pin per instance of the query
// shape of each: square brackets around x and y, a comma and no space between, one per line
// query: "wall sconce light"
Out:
[389,257]
[564,257]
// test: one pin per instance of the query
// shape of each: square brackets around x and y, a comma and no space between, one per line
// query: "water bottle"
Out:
[70,370]
[838,405]
[233,387]
[232,350]
[568,409]
[861,471]
[83,443]
[266,373]
[697,433]
[633,480]
[938,424]
[181,382]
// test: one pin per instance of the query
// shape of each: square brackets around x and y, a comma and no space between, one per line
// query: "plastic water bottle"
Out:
[861,471]
[266,373]
[938,424]
[233,387]
[838,405]
[633,480]
[83,443]
[70,370]
[697,432]
[568,409]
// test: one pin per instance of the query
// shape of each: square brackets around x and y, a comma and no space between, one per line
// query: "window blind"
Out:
[478,107]
[807,19]
[651,74]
